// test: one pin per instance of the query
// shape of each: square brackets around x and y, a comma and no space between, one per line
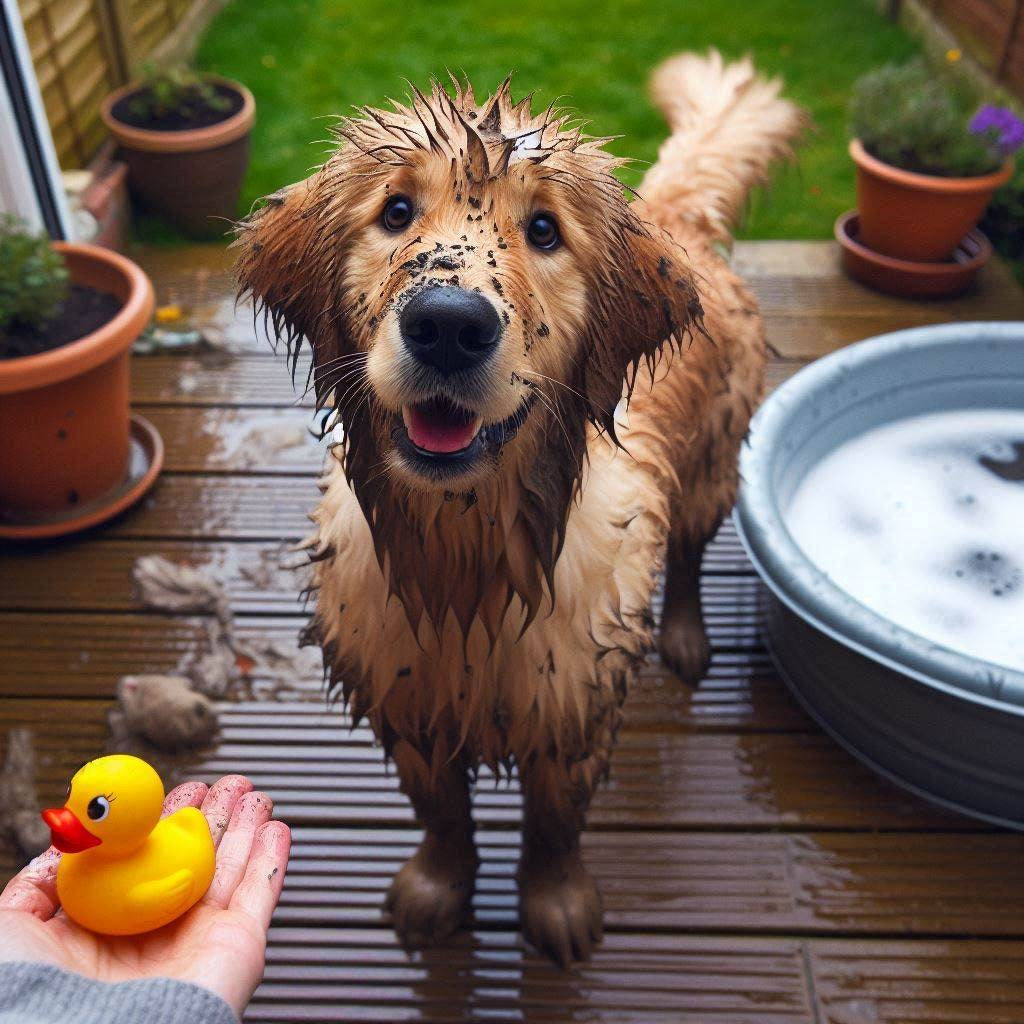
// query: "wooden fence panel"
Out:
[82,49]
[70,43]
[991,31]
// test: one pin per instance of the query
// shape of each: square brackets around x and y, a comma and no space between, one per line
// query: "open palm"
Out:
[219,944]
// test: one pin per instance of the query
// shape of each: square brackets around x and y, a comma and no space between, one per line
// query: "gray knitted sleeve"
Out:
[41,994]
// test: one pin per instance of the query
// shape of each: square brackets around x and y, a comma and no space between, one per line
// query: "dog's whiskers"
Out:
[526,374]
[325,384]
[549,404]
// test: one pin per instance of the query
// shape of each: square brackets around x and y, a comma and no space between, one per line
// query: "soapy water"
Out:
[922,521]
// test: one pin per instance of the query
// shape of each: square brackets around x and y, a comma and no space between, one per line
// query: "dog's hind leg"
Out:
[683,641]
[431,895]
[560,908]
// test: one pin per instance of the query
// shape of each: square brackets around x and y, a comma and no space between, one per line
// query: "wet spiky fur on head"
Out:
[577,325]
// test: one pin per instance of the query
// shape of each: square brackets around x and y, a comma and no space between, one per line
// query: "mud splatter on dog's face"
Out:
[473,283]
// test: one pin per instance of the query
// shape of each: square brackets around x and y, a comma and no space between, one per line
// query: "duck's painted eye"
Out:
[397,213]
[98,809]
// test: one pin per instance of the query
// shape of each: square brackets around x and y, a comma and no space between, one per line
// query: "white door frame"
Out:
[30,181]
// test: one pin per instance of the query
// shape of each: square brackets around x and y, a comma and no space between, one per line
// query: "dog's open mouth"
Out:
[440,427]
[441,440]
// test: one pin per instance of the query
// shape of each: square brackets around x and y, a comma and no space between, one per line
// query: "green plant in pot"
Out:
[69,314]
[33,287]
[185,139]
[927,161]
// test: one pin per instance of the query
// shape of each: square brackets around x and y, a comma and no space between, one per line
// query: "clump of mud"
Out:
[19,805]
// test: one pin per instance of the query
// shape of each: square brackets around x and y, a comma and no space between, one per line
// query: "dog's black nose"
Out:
[450,329]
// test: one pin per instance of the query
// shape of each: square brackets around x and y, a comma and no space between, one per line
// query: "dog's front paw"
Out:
[431,897]
[560,908]
[684,647]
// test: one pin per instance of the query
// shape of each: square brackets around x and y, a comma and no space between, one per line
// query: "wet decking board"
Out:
[752,871]
[319,769]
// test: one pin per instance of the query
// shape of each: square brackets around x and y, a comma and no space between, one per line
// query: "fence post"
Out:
[107,18]
[120,17]
[1011,35]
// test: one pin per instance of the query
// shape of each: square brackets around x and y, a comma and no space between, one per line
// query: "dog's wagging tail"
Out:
[541,389]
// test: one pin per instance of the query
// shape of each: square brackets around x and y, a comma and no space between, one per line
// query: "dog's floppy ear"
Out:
[277,245]
[642,297]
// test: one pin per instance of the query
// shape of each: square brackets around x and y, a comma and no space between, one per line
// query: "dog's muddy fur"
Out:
[491,607]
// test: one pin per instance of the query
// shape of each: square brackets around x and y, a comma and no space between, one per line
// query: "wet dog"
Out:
[542,389]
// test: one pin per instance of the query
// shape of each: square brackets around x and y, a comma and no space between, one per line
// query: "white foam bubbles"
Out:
[922,520]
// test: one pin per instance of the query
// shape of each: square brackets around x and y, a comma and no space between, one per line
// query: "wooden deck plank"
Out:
[821,883]
[59,654]
[320,770]
[212,379]
[240,507]
[811,308]
[273,509]
[658,780]
[258,441]
[857,981]
[807,883]
[267,577]
[741,693]
[482,977]
[935,982]
[259,577]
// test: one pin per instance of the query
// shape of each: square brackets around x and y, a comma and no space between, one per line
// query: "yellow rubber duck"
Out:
[125,870]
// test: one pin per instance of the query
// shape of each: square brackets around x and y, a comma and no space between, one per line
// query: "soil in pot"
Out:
[204,114]
[85,310]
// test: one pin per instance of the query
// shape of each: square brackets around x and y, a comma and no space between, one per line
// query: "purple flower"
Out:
[1002,125]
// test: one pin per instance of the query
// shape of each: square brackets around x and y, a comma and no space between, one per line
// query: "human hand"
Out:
[219,944]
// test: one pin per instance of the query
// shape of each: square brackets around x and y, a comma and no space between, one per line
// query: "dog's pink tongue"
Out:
[438,430]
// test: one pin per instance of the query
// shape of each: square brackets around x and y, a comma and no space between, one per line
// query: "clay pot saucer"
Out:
[146,458]
[907,278]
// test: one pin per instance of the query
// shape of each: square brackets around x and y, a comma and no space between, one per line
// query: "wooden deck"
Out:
[752,871]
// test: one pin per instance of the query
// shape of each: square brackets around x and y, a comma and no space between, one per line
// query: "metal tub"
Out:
[940,723]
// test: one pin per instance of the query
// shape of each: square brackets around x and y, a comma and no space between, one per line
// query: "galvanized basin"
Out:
[943,723]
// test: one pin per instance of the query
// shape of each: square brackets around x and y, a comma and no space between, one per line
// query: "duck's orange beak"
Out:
[67,833]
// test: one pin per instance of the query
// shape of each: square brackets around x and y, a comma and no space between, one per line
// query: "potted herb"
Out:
[185,138]
[926,168]
[69,314]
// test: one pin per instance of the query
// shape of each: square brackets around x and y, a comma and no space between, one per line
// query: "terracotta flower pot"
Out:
[918,216]
[191,176]
[64,413]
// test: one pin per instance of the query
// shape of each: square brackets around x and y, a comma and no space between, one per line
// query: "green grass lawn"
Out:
[304,60]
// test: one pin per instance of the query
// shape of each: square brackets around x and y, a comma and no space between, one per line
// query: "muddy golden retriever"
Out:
[542,388]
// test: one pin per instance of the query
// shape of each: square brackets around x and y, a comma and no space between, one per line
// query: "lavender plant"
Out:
[1000,127]
[919,119]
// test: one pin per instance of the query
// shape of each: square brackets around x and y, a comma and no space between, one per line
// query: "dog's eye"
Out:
[543,231]
[397,213]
